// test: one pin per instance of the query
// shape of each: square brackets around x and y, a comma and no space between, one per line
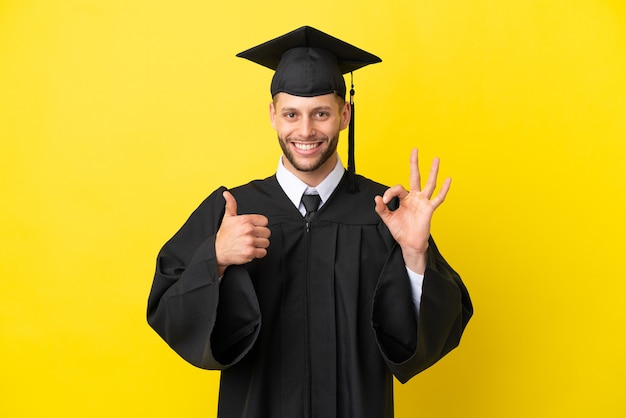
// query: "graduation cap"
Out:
[307,63]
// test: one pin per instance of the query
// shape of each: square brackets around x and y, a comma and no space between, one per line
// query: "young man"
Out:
[310,289]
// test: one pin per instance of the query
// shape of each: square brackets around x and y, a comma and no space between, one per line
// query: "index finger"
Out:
[256,220]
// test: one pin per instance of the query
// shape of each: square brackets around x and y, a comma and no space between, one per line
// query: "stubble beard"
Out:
[330,151]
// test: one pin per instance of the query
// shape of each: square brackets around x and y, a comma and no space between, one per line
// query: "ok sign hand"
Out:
[410,223]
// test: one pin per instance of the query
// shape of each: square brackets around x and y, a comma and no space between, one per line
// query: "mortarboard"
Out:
[308,63]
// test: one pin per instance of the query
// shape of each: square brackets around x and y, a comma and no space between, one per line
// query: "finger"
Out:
[231,204]
[381,208]
[431,184]
[396,191]
[441,196]
[262,232]
[260,253]
[261,243]
[414,178]
[258,250]
[256,220]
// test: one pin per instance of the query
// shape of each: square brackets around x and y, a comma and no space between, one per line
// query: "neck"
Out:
[315,177]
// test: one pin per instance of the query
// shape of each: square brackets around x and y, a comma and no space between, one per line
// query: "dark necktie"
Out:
[311,203]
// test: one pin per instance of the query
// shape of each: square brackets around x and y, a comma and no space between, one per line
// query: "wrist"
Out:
[219,257]
[220,270]
[415,260]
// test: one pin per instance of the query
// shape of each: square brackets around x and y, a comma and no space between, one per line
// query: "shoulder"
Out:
[259,186]
[372,189]
[370,186]
[261,196]
[256,189]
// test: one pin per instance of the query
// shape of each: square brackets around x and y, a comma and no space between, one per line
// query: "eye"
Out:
[289,115]
[322,114]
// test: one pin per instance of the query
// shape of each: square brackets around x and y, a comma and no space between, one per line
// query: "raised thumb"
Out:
[231,204]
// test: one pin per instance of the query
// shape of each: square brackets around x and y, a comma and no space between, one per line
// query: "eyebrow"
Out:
[315,109]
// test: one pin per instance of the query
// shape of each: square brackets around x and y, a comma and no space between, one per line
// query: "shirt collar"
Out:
[294,188]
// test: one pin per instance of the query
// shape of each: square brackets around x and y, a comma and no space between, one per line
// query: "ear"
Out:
[346,114]
[273,114]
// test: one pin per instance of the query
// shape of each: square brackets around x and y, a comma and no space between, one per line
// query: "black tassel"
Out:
[352,186]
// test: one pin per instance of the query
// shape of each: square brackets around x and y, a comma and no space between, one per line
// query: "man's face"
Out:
[308,129]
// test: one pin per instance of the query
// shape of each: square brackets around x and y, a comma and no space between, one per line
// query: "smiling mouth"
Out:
[306,146]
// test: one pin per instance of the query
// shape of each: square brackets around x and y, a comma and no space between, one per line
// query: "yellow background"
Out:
[118,117]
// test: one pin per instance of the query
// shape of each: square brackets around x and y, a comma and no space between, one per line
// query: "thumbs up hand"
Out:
[241,238]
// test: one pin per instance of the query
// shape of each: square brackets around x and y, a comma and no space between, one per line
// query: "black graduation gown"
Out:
[316,328]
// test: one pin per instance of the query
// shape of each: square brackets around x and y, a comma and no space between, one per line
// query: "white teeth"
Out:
[305,147]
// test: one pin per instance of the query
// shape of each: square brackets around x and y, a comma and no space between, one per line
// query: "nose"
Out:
[306,128]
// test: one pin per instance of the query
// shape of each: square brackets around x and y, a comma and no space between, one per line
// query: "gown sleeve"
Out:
[410,345]
[211,325]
